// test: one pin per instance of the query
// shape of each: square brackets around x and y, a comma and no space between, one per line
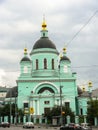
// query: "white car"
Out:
[28,125]
[86,126]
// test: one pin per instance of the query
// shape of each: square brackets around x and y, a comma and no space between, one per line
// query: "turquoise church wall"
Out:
[82,105]
[42,73]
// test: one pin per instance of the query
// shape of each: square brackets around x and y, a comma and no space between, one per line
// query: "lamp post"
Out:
[61,119]
[90,94]
[16,107]
[10,104]
[61,104]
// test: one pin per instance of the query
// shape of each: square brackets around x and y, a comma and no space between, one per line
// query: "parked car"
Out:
[5,124]
[71,126]
[28,125]
[86,126]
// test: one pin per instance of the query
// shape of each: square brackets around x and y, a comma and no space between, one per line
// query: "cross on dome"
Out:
[44,25]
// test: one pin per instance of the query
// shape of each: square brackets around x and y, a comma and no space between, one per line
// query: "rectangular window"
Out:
[46,102]
[67,104]
[81,111]
[25,105]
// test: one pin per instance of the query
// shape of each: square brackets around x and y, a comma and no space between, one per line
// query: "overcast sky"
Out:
[71,23]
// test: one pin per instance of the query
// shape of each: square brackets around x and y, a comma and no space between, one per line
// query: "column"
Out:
[38,108]
[1,118]
[68,119]
[24,119]
[76,119]
[34,106]
[84,119]
[36,112]
[95,121]
[6,118]
[29,118]
[11,119]
[14,120]
[46,120]
[19,119]
[34,119]
[40,120]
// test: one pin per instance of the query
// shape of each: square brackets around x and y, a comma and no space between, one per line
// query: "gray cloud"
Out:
[20,25]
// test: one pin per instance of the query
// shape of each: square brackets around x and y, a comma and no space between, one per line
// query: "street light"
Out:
[61,104]
[60,97]
[10,104]
[16,107]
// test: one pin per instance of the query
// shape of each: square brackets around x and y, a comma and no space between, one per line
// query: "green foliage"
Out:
[56,112]
[81,119]
[92,110]
[5,111]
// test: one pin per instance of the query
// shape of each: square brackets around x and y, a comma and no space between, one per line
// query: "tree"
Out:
[92,110]
[56,112]
[5,111]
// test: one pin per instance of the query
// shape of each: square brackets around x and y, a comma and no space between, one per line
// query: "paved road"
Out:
[36,128]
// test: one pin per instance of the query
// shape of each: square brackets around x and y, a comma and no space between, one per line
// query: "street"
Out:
[36,128]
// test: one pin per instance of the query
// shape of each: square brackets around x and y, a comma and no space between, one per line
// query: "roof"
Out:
[79,90]
[44,42]
[95,93]
[3,89]
[64,58]
[25,59]
[12,92]
[87,94]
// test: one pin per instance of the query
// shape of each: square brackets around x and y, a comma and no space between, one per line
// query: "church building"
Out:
[46,79]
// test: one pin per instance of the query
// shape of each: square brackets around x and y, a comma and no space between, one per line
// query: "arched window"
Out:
[36,64]
[53,64]
[45,63]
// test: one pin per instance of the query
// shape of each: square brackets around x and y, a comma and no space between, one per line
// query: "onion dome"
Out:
[64,57]
[79,90]
[25,58]
[44,41]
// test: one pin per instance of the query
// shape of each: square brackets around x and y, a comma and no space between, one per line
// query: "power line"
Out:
[66,45]
[82,27]
[86,66]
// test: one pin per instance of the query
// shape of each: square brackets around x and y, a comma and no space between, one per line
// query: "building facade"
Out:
[46,79]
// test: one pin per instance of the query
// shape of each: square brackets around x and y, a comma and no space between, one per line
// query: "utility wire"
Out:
[66,45]
[88,66]
[82,27]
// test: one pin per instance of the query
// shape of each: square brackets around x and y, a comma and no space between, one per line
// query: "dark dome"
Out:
[79,90]
[64,58]
[12,92]
[25,59]
[44,42]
